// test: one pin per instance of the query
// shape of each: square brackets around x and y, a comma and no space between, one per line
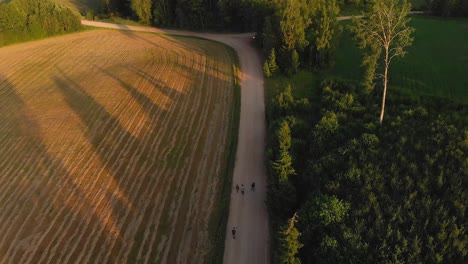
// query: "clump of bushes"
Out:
[22,20]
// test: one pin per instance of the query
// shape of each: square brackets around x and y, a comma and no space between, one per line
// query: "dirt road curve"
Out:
[248,211]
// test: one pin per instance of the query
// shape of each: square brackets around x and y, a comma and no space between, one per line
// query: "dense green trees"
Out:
[22,20]
[143,9]
[305,27]
[449,7]
[368,193]
[270,67]
[238,15]
[293,19]
[324,29]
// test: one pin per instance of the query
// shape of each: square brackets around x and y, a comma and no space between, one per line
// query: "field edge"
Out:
[217,231]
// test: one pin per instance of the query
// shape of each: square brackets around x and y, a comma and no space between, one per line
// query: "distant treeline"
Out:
[240,15]
[448,7]
[297,33]
[236,15]
[22,20]
[360,192]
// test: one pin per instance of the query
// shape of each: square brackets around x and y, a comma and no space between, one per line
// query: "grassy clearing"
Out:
[436,64]
[114,147]
[304,83]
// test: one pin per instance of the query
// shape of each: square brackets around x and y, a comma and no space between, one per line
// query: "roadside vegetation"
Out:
[23,20]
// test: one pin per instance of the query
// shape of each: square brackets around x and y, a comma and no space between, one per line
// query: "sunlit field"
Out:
[113,146]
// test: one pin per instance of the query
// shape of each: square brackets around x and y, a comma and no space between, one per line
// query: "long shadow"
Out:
[125,30]
[176,40]
[143,100]
[118,150]
[111,145]
[41,197]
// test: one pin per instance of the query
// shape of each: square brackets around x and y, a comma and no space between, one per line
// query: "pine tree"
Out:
[289,243]
[272,62]
[323,31]
[283,164]
[293,20]
[295,61]
[285,100]
[266,70]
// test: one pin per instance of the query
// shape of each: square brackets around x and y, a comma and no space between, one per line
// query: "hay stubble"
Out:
[112,146]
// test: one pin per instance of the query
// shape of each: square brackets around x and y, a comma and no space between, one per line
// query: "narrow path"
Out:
[248,212]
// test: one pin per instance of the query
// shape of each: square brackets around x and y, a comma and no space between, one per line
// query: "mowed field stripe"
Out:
[108,157]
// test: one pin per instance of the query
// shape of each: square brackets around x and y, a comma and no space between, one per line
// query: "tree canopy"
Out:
[22,20]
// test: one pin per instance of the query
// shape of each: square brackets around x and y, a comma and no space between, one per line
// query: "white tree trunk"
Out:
[385,81]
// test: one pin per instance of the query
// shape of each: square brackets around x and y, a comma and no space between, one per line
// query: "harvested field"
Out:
[112,147]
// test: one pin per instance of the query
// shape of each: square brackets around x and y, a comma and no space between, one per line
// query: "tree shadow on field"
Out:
[143,100]
[179,40]
[123,155]
[132,161]
[41,191]
[131,34]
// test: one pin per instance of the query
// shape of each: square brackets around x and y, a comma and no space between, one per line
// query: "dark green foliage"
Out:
[281,193]
[367,193]
[143,9]
[323,32]
[293,19]
[449,7]
[266,70]
[269,37]
[22,20]
[272,62]
[282,166]
[283,104]
[369,64]
[377,194]
[308,27]
[233,15]
[295,61]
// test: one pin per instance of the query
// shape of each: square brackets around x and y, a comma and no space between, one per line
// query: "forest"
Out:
[364,192]
[344,187]
[236,15]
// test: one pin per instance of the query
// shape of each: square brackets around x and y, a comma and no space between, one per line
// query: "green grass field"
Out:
[436,64]
[351,9]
